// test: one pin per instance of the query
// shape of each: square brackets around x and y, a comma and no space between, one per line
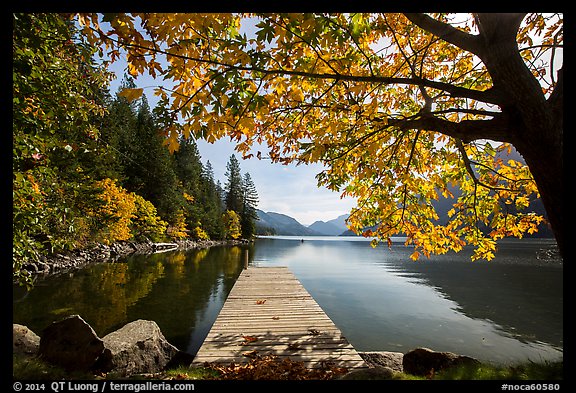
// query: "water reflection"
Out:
[503,311]
[181,291]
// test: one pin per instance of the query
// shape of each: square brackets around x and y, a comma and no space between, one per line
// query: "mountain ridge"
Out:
[272,223]
[334,227]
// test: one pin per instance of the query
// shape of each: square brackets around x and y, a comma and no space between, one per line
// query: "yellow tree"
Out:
[232,227]
[403,109]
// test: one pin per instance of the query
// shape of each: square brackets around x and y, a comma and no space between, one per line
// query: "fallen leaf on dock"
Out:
[251,354]
[270,367]
[249,339]
[275,318]
[314,332]
[260,301]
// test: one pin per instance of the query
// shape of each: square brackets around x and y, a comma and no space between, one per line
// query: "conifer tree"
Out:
[233,187]
[155,165]
[249,215]
[189,170]
[117,135]
[212,203]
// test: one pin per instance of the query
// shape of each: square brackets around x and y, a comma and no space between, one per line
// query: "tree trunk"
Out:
[546,165]
[535,123]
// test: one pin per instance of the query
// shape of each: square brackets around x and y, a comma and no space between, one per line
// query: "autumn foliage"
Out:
[402,109]
[232,228]
[90,165]
[273,368]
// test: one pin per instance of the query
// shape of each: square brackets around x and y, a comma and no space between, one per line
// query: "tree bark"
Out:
[535,123]
[547,168]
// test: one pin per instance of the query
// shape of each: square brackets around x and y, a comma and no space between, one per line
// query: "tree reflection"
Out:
[174,289]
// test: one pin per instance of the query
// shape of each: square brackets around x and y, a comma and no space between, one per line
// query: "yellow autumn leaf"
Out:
[131,94]
[317,94]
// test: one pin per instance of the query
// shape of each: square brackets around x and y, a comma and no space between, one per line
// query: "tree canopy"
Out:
[91,168]
[403,109]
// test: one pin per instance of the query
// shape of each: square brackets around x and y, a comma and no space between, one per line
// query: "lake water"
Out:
[505,311]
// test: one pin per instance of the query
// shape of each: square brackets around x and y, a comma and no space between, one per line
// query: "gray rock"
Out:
[71,343]
[423,361]
[372,373]
[24,340]
[393,360]
[137,347]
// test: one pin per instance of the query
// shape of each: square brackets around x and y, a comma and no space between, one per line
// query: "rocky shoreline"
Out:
[64,262]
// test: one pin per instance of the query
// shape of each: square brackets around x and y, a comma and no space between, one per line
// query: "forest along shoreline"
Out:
[60,263]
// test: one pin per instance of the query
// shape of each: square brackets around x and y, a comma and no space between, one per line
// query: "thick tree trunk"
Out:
[547,168]
[535,123]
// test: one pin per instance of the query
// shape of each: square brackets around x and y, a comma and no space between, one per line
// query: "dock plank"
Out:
[269,312]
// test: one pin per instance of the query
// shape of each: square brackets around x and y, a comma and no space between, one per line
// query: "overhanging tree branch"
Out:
[489,96]
[461,39]
[496,129]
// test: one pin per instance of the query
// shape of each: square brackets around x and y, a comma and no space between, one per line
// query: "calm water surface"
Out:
[504,311]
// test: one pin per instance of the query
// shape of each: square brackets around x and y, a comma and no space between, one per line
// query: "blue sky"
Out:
[286,189]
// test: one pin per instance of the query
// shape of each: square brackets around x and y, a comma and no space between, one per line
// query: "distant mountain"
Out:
[325,228]
[270,223]
[443,205]
[333,227]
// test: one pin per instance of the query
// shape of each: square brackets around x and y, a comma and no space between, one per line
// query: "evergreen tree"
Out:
[140,160]
[155,168]
[189,170]
[118,135]
[221,193]
[188,166]
[249,215]
[233,187]
[212,203]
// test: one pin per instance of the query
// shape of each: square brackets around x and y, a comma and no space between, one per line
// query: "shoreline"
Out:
[61,263]
[64,262]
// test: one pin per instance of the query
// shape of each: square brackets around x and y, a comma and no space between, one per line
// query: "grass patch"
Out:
[184,372]
[547,371]
[34,368]
[29,368]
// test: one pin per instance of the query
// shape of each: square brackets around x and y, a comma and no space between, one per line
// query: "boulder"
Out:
[71,343]
[424,361]
[24,340]
[137,347]
[372,373]
[392,360]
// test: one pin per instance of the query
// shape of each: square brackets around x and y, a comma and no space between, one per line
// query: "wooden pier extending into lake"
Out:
[269,312]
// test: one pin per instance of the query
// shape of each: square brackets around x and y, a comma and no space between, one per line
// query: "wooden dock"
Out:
[269,312]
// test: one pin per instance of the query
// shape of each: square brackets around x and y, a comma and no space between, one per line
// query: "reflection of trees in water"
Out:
[116,288]
[171,288]
[100,294]
[177,301]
